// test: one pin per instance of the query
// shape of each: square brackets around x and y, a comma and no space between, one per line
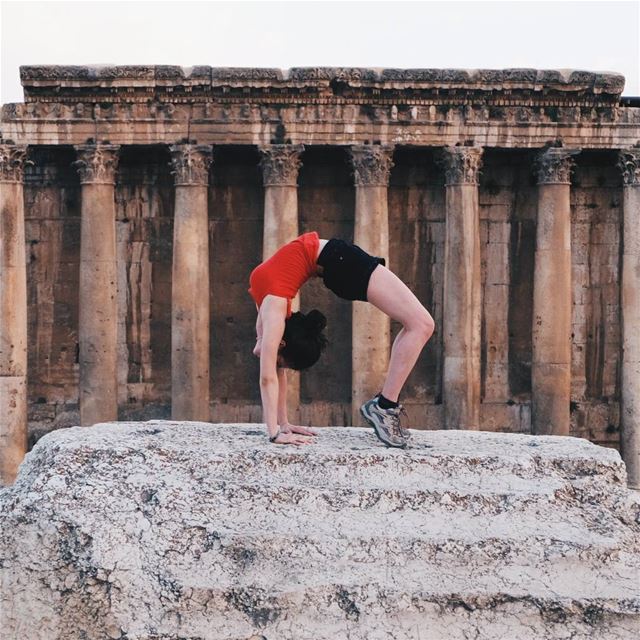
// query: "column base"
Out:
[13,432]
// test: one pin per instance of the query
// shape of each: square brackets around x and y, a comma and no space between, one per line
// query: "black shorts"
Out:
[347,269]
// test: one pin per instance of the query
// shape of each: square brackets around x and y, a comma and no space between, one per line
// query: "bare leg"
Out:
[392,296]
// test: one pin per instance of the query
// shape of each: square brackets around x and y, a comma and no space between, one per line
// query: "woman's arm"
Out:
[283,421]
[282,397]
[272,331]
[273,313]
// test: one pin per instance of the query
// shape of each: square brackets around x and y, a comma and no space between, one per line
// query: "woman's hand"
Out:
[292,428]
[292,438]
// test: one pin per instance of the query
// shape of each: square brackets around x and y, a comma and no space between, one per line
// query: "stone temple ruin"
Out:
[136,200]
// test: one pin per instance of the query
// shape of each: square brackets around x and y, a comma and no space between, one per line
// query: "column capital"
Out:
[461,164]
[13,159]
[629,165]
[191,164]
[554,165]
[371,164]
[280,164]
[97,163]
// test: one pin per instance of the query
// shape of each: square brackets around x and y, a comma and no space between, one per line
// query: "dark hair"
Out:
[304,341]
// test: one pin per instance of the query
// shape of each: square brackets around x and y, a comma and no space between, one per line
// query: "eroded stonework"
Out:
[193,530]
[190,164]
[371,165]
[462,165]
[12,162]
[280,164]
[97,164]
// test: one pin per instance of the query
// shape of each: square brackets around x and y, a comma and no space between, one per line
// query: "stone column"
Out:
[551,331]
[13,314]
[462,293]
[371,335]
[98,319]
[190,324]
[280,166]
[629,163]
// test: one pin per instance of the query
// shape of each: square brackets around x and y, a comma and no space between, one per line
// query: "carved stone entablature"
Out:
[461,164]
[371,164]
[629,165]
[12,161]
[328,74]
[171,72]
[280,164]
[231,75]
[554,165]
[515,87]
[190,164]
[97,164]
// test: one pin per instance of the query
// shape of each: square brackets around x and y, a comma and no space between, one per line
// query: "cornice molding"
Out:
[190,84]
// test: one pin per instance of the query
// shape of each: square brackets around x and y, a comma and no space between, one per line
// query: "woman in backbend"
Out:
[286,340]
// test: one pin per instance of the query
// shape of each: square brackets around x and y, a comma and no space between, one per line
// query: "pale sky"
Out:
[596,36]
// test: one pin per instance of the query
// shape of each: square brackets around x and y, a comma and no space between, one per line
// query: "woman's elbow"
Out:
[268,380]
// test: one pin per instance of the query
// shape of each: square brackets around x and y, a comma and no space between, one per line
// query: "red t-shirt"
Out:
[286,270]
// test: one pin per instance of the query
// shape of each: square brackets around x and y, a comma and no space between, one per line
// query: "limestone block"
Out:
[193,530]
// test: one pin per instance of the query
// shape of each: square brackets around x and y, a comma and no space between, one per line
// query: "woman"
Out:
[286,340]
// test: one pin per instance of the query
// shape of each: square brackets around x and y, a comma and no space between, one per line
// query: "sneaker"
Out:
[385,422]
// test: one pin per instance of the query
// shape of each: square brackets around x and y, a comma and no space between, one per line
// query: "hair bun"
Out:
[315,321]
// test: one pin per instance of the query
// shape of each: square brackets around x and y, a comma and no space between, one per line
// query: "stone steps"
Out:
[438,565]
[337,611]
[196,531]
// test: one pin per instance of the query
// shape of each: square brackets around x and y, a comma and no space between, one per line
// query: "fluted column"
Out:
[98,320]
[190,324]
[551,331]
[13,314]
[371,336]
[462,295]
[280,166]
[629,163]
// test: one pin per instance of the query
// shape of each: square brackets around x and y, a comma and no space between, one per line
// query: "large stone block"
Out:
[165,530]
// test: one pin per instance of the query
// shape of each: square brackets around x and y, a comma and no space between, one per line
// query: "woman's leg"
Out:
[392,296]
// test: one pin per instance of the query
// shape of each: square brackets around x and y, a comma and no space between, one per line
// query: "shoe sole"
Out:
[374,424]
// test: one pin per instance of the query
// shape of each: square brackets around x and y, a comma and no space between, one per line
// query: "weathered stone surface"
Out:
[193,530]
[561,82]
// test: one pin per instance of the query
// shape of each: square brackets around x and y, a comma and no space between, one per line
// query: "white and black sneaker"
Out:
[385,423]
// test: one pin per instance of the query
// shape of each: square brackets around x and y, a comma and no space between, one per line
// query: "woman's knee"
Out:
[422,324]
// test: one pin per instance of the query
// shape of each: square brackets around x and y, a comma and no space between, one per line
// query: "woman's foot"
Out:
[385,423]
